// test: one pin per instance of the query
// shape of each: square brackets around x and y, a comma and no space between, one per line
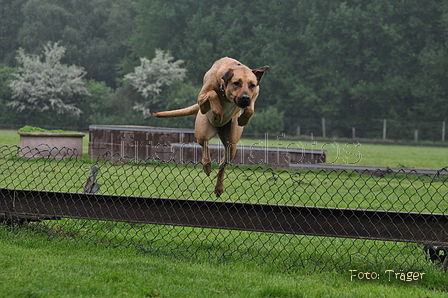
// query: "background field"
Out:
[338,152]
[358,153]
[32,266]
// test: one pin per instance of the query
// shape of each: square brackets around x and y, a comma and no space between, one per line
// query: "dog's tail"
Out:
[191,110]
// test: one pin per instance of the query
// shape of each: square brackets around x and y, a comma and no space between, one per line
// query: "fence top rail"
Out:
[248,206]
[271,218]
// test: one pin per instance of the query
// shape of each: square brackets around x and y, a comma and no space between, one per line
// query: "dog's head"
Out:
[240,84]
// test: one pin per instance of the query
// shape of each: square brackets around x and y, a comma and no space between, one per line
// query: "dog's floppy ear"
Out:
[227,75]
[259,72]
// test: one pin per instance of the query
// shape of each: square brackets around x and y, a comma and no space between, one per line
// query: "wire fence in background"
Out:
[376,130]
[307,218]
[379,129]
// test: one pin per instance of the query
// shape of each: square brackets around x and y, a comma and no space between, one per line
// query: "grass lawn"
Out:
[338,152]
[355,153]
[33,266]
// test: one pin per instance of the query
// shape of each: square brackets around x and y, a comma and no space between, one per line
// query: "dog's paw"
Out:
[219,189]
[219,186]
[217,112]
[207,167]
[242,121]
[217,116]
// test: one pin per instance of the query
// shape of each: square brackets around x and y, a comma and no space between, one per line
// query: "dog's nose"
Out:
[245,97]
[244,101]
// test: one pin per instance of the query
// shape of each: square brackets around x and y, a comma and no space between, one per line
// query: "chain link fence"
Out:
[307,218]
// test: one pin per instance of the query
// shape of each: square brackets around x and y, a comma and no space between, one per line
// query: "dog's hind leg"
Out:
[204,131]
[229,134]
[230,151]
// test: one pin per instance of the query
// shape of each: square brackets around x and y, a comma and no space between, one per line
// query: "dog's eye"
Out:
[237,84]
[252,86]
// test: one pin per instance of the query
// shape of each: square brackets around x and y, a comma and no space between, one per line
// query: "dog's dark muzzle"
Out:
[243,101]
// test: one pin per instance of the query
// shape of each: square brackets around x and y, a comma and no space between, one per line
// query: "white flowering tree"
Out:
[46,84]
[152,75]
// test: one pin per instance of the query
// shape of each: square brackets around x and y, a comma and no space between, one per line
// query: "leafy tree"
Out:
[152,75]
[6,74]
[349,61]
[6,115]
[430,87]
[47,85]
[94,32]
[11,18]
[97,103]
[268,120]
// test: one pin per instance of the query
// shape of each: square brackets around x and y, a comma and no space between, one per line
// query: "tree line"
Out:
[346,61]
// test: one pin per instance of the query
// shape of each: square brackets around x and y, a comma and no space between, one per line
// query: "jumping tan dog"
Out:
[225,104]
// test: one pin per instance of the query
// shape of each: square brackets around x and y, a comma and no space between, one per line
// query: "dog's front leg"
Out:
[245,116]
[203,132]
[210,101]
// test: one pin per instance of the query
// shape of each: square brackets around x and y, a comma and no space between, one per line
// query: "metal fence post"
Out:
[443,131]
[324,134]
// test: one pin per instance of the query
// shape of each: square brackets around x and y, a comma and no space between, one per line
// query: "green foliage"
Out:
[28,128]
[348,61]
[269,120]
[339,60]
[6,75]
[97,103]
[7,115]
[176,96]
[93,32]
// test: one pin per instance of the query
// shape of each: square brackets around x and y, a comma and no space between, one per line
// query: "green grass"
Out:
[338,152]
[9,137]
[187,262]
[398,192]
[32,266]
[344,152]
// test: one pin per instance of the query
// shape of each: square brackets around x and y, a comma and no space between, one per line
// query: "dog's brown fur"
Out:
[229,87]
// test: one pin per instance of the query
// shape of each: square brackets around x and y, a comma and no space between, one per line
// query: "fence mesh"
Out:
[405,191]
